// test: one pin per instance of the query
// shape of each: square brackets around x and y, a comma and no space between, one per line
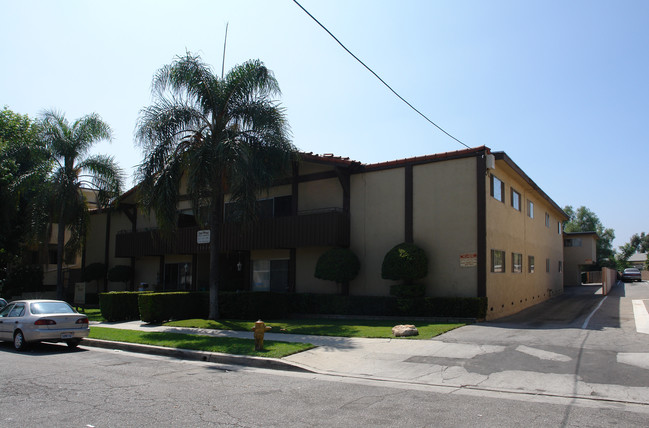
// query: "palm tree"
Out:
[75,168]
[225,134]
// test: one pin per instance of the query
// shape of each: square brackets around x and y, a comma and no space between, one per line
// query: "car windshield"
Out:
[51,308]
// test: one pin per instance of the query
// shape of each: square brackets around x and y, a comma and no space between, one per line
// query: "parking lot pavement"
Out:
[548,349]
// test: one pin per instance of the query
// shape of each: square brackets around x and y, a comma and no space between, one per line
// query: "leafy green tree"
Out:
[637,243]
[120,273]
[226,135]
[406,262]
[75,168]
[23,168]
[584,220]
[339,265]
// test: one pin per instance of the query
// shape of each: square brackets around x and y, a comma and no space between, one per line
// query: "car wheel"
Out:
[73,343]
[19,341]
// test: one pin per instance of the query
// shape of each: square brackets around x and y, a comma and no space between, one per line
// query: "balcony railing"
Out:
[310,229]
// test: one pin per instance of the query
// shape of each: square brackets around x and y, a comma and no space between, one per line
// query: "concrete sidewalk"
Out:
[607,362]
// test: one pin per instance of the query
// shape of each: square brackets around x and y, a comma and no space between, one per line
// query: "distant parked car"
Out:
[631,274]
[3,303]
[25,321]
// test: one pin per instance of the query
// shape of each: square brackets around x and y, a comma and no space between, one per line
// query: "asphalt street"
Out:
[52,386]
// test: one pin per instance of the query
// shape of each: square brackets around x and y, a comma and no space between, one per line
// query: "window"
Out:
[559,228]
[530,209]
[51,255]
[270,275]
[572,242]
[177,276]
[516,200]
[497,261]
[186,218]
[547,220]
[530,264]
[547,265]
[517,263]
[497,189]
[560,266]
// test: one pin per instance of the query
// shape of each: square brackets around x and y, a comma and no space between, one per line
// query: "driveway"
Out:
[580,344]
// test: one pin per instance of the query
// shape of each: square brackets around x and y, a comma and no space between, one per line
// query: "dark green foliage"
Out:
[405,262]
[23,278]
[119,306]
[120,273]
[159,307]
[407,290]
[337,264]
[253,305]
[94,271]
[332,304]
[250,305]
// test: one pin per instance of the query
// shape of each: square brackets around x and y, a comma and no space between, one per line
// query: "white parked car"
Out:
[25,321]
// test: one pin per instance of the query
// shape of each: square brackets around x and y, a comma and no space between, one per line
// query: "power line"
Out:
[377,76]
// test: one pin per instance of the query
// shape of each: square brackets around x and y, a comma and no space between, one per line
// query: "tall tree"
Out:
[23,168]
[585,220]
[226,135]
[637,243]
[75,169]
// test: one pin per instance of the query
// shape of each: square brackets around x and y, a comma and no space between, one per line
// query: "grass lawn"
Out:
[226,345]
[324,327]
[93,314]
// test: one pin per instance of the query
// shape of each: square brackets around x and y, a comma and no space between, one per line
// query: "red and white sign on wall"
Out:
[469,260]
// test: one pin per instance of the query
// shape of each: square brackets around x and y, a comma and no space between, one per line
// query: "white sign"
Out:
[80,293]
[203,237]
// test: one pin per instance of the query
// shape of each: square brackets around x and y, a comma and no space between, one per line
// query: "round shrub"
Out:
[120,273]
[94,271]
[405,262]
[338,264]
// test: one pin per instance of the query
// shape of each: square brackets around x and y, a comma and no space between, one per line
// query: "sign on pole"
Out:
[203,237]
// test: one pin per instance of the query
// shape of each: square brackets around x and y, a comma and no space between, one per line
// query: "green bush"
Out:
[23,278]
[405,262]
[94,271]
[159,307]
[120,273]
[338,264]
[407,290]
[119,306]
[253,305]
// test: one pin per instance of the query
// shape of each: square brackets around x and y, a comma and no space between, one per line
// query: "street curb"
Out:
[188,354]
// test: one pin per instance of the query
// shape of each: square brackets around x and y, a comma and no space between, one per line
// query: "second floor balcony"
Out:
[316,228]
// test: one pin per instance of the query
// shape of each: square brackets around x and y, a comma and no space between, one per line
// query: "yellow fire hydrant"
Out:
[259,329]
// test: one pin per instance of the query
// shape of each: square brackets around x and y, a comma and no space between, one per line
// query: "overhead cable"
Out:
[377,76]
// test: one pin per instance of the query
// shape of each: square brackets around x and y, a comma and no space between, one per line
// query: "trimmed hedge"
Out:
[251,305]
[405,262]
[159,307]
[407,290]
[119,306]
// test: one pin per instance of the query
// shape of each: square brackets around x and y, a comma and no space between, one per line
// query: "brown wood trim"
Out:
[409,198]
[292,270]
[295,188]
[481,183]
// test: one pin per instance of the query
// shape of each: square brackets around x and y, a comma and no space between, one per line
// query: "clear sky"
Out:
[561,86]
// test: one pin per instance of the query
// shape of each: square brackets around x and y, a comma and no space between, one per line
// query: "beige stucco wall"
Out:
[445,224]
[574,257]
[320,194]
[305,282]
[514,231]
[377,224]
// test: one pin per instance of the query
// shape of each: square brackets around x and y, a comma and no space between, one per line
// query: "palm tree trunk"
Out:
[60,246]
[216,219]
